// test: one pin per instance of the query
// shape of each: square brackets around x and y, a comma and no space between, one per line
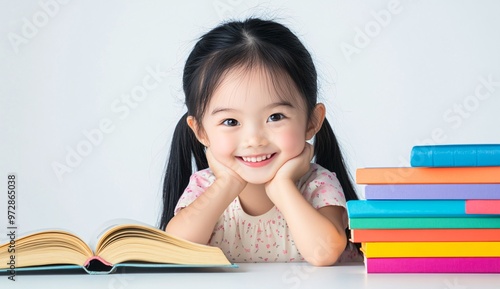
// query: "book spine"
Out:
[455,155]
[433,192]
[482,207]
[425,235]
[98,259]
[433,265]
[411,175]
[430,249]
[406,208]
[425,223]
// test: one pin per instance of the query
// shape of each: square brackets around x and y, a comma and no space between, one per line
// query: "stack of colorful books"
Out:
[441,215]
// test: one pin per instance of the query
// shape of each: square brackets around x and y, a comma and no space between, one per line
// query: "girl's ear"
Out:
[316,121]
[200,135]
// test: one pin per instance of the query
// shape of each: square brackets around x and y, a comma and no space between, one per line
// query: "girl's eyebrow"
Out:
[222,109]
[269,106]
[280,103]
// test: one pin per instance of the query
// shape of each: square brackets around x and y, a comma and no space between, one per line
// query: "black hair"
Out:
[234,44]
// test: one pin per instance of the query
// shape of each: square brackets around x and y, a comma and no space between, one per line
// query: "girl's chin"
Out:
[259,176]
[256,179]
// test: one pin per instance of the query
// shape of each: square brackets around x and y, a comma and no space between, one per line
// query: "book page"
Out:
[4,240]
[110,224]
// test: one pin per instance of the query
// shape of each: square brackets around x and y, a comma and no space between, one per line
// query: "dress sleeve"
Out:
[321,188]
[198,183]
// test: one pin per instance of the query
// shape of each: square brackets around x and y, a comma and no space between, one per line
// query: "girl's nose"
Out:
[255,137]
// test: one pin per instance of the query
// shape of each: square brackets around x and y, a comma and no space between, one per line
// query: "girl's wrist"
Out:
[228,184]
[279,186]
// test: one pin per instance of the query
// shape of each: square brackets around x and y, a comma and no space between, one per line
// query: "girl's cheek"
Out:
[222,147]
[291,142]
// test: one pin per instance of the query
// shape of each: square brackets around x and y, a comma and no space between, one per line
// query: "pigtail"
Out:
[184,147]
[328,155]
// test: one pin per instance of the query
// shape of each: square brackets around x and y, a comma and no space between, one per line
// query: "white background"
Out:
[393,75]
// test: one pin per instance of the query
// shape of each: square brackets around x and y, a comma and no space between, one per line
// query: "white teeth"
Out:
[256,159]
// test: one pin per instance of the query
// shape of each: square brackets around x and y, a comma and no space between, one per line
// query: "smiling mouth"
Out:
[257,159]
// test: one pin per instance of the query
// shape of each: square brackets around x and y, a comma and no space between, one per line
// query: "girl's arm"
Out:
[196,222]
[318,234]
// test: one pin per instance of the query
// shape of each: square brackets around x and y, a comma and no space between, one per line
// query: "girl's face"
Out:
[252,130]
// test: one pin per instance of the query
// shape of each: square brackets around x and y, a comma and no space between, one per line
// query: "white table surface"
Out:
[274,275]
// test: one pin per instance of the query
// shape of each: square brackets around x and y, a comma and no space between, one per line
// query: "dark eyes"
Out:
[275,117]
[271,118]
[230,122]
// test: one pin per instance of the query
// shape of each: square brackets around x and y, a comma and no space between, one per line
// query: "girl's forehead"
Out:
[242,84]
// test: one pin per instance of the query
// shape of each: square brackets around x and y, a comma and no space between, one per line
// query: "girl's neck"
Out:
[254,200]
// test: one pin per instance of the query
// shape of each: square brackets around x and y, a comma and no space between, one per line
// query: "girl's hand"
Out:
[294,168]
[196,221]
[221,171]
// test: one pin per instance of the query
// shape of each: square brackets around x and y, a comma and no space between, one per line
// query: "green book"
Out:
[425,223]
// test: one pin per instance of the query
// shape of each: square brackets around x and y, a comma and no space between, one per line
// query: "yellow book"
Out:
[430,249]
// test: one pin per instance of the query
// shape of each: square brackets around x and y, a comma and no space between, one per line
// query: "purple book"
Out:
[433,265]
[433,192]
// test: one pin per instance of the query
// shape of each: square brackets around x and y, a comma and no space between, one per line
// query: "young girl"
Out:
[251,93]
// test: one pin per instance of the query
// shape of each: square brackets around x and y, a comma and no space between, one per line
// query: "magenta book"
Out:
[433,265]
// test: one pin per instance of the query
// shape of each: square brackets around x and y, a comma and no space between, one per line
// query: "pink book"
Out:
[433,265]
[482,207]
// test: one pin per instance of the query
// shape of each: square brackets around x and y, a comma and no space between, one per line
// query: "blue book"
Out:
[407,208]
[119,246]
[456,155]
[425,223]
[132,267]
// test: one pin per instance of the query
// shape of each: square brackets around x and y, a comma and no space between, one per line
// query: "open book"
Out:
[133,245]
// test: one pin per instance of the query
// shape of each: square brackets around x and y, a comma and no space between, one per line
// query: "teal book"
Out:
[456,155]
[101,269]
[425,223]
[406,208]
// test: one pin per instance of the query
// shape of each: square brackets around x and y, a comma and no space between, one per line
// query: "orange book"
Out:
[435,175]
[425,235]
